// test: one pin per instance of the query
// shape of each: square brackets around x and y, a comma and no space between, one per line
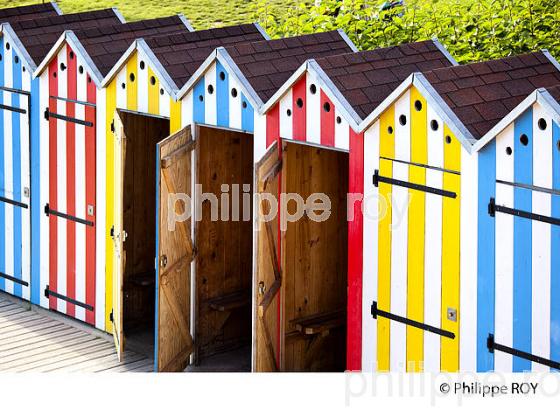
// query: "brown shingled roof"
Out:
[105,45]
[267,65]
[554,92]
[27,12]
[366,78]
[481,94]
[39,36]
[182,54]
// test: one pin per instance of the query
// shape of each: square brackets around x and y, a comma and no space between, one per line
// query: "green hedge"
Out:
[471,30]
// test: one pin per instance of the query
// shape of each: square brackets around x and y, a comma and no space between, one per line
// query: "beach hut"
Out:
[23,44]
[72,150]
[315,119]
[447,271]
[220,113]
[141,111]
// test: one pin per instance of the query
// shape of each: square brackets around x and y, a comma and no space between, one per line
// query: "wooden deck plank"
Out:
[14,344]
[40,345]
[40,341]
[35,363]
[51,348]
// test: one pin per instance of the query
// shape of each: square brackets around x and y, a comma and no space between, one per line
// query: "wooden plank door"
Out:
[119,236]
[268,275]
[174,342]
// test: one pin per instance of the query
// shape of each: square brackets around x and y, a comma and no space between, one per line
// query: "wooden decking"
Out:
[33,340]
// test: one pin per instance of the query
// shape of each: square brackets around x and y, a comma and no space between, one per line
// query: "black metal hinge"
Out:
[49,115]
[375,312]
[111,318]
[112,231]
[493,346]
[493,208]
[417,187]
[113,126]
[49,211]
[49,293]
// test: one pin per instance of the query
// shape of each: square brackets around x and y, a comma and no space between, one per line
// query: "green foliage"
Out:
[202,13]
[472,30]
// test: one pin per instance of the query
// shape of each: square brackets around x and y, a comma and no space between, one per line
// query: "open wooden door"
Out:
[119,236]
[268,276]
[174,343]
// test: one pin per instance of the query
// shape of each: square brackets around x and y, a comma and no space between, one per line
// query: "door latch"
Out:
[163,261]
[452,314]
[26,192]
[91,210]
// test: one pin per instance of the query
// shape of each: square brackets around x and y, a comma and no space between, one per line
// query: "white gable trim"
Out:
[140,45]
[119,15]
[444,51]
[56,8]
[8,32]
[186,22]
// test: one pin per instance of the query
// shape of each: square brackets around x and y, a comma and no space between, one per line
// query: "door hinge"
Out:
[113,126]
[111,318]
[112,231]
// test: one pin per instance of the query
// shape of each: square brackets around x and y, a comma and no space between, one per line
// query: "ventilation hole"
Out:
[244,104]
[23,69]
[1,57]
[509,151]
[161,91]
[71,55]
[313,88]
[201,98]
[402,120]
[81,69]
[89,79]
[152,80]
[524,139]
[222,75]
[434,125]
[327,107]
[62,66]
[132,77]
[542,124]
[558,145]
[390,130]
[289,112]
[299,102]
[210,89]
[16,59]
[338,120]
[54,74]
[234,92]
[123,86]
[448,139]
[418,105]
[7,46]
[142,65]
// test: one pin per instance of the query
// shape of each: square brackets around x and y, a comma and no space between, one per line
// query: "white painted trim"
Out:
[387,102]
[165,79]
[551,59]
[444,51]
[119,15]
[508,119]
[56,8]
[186,22]
[348,41]
[448,116]
[119,64]
[196,76]
[21,51]
[277,96]
[549,103]
[262,31]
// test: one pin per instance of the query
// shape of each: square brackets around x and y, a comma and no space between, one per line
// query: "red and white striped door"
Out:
[71,207]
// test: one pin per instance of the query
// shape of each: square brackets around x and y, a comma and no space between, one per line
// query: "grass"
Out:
[201,13]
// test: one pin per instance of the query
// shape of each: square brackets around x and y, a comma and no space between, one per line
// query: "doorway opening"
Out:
[224,239]
[301,318]
[142,133]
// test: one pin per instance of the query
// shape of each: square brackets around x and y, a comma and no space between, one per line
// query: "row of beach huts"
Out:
[444,257]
